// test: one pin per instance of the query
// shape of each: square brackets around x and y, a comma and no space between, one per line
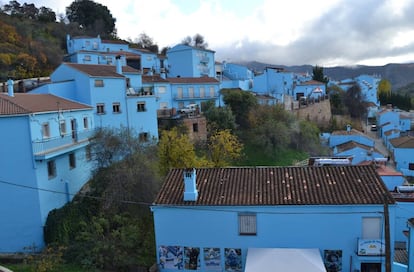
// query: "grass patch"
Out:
[256,157]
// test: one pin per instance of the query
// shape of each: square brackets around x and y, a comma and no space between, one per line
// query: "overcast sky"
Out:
[286,32]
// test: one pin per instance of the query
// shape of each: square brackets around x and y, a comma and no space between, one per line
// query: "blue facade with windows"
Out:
[47,163]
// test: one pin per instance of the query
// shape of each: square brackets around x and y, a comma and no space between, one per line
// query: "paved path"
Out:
[378,143]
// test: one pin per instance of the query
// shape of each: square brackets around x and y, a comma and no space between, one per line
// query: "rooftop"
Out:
[191,80]
[101,70]
[403,142]
[25,103]
[251,186]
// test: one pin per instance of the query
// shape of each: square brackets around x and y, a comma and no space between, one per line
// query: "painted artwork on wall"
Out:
[333,260]
[192,258]
[171,257]
[233,259]
[212,259]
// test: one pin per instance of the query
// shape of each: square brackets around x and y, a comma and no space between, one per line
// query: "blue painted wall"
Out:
[27,192]
[188,61]
[284,226]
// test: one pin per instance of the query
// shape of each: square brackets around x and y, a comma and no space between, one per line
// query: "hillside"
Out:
[399,75]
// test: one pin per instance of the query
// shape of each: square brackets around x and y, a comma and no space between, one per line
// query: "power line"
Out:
[67,193]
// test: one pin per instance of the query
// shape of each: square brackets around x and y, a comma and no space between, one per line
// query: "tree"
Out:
[317,74]
[270,128]
[46,15]
[94,17]
[146,42]
[109,226]
[175,150]
[306,137]
[354,102]
[384,89]
[224,148]
[240,103]
[196,41]
[219,118]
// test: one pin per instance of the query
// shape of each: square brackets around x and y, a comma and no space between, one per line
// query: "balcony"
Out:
[46,148]
[371,247]
[195,97]
[140,92]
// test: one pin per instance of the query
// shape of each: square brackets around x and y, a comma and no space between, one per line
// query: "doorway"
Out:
[370,267]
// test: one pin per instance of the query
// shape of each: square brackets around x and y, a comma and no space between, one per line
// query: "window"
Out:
[195,127]
[141,107]
[202,92]
[100,108]
[191,92]
[212,92]
[51,169]
[179,92]
[162,89]
[371,228]
[62,127]
[72,160]
[411,166]
[85,123]
[88,153]
[116,107]
[99,83]
[143,137]
[87,58]
[247,224]
[45,130]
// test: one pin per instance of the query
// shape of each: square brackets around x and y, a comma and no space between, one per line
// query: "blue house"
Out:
[358,152]
[310,90]
[189,61]
[342,136]
[236,76]
[116,93]
[402,150]
[45,161]
[194,90]
[274,82]
[369,87]
[82,43]
[232,219]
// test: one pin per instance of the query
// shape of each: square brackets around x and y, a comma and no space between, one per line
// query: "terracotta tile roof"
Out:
[114,41]
[312,82]
[251,186]
[403,142]
[191,80]
[153,78]
[391,131]
[352,144]
[25,103]
[100,70]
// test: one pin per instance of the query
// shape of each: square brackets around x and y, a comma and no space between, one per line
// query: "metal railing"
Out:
[67,140]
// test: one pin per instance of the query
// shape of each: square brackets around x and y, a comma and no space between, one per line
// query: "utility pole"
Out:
[387,235]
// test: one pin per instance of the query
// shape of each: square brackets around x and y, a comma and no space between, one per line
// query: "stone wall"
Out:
[318,112]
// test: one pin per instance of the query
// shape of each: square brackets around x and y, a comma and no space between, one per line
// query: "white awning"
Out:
[284,259]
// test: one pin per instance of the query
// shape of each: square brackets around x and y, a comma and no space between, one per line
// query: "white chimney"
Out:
[10,87]
[118,64]
[190,185]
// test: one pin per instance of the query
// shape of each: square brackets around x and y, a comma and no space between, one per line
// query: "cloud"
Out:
[323,32]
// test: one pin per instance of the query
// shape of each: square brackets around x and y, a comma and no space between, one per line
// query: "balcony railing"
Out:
[45,146]
[195,96]
[139,92]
